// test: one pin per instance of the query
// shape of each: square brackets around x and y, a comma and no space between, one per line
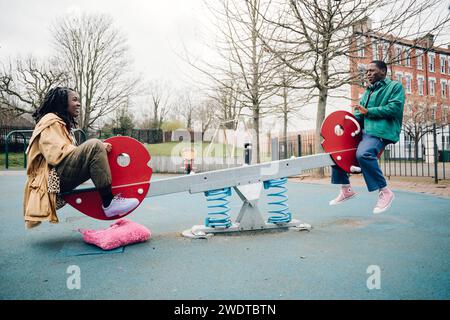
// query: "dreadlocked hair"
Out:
[56,101]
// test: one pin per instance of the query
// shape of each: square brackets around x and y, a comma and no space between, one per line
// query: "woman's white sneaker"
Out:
[120,206]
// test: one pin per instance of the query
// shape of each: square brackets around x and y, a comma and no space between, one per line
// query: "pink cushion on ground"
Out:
[120,233]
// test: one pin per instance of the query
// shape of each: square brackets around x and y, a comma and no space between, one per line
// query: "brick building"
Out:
[423,69]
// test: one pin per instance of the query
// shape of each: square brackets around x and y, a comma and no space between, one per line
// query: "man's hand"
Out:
[361,109]
[107,146]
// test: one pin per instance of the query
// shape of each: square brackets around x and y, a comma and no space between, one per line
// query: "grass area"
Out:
[15,160]
[208,150]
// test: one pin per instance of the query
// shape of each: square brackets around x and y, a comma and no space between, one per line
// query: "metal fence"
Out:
[22,137]
[428,157]
[142,135]
[299,145]
[16,141]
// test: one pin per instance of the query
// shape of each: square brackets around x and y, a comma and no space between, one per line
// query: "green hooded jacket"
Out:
[384,101]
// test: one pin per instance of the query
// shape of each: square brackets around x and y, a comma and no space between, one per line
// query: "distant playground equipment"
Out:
[229,142]
[131,172]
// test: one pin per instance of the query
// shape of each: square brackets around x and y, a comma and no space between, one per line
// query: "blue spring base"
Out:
[220,217]
[280,212]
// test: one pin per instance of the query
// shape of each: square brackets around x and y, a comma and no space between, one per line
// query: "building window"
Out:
[398,55]
[362,74]
[432,86]
[448,65]
[444,88]
[408,138]
[433,113]
[375,54]
[408,58]
[360,44]
[431,62]
[420,85]
[384,50]
[398,76]
[442,61]
[419,59]
[408,78]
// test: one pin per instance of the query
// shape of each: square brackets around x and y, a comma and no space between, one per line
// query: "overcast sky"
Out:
[155,29]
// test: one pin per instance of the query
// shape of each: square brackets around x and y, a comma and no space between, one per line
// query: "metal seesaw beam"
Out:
[238,176]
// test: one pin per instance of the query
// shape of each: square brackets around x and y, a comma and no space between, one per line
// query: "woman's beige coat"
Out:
[49,145]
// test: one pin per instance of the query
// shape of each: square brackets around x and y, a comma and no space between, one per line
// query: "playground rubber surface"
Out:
[409,245]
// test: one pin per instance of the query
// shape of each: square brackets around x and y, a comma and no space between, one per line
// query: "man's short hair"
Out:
[380,65]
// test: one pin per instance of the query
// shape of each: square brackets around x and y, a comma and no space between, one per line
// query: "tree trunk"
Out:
[285,124]
[416,148]
[285,119]
[321,107]
[255,81]
[256,127]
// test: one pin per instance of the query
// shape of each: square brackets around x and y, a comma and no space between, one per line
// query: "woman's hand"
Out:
[107,146]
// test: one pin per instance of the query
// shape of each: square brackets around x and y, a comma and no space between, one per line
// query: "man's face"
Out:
[374,74]
[74,104]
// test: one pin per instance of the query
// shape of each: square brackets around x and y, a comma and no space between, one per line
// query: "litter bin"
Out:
[444,155]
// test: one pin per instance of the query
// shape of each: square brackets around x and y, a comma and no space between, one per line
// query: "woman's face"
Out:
[74,104]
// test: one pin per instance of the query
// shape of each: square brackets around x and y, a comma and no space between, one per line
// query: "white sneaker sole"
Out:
[377,210]
[121,214]
[116,215]
[332,203]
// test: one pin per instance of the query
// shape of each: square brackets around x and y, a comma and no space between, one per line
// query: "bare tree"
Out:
[289,105]
[245,64]
[184,107]
[24,83]
[123,118]
[206,114]
[159,93]
[320,34]
[229,104]
[96,55]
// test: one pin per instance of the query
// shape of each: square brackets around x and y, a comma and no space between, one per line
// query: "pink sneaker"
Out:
[385,198]
[345,194]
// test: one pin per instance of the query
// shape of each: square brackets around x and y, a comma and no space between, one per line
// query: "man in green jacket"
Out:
[380,113]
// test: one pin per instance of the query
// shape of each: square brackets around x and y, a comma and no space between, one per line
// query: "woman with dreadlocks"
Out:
[56,164]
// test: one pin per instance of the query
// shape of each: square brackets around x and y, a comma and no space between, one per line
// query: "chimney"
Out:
[426,41]
[363,26]
[429,38]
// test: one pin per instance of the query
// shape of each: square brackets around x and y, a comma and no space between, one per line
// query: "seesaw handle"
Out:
[358,127]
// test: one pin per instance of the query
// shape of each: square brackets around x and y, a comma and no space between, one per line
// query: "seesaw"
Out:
[131,173]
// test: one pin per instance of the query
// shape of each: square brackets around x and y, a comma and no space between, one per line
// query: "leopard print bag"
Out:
[54,187]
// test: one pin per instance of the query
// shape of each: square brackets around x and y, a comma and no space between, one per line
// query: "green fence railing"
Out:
[25,144]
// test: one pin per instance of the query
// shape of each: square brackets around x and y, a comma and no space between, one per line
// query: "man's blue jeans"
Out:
[367,156]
